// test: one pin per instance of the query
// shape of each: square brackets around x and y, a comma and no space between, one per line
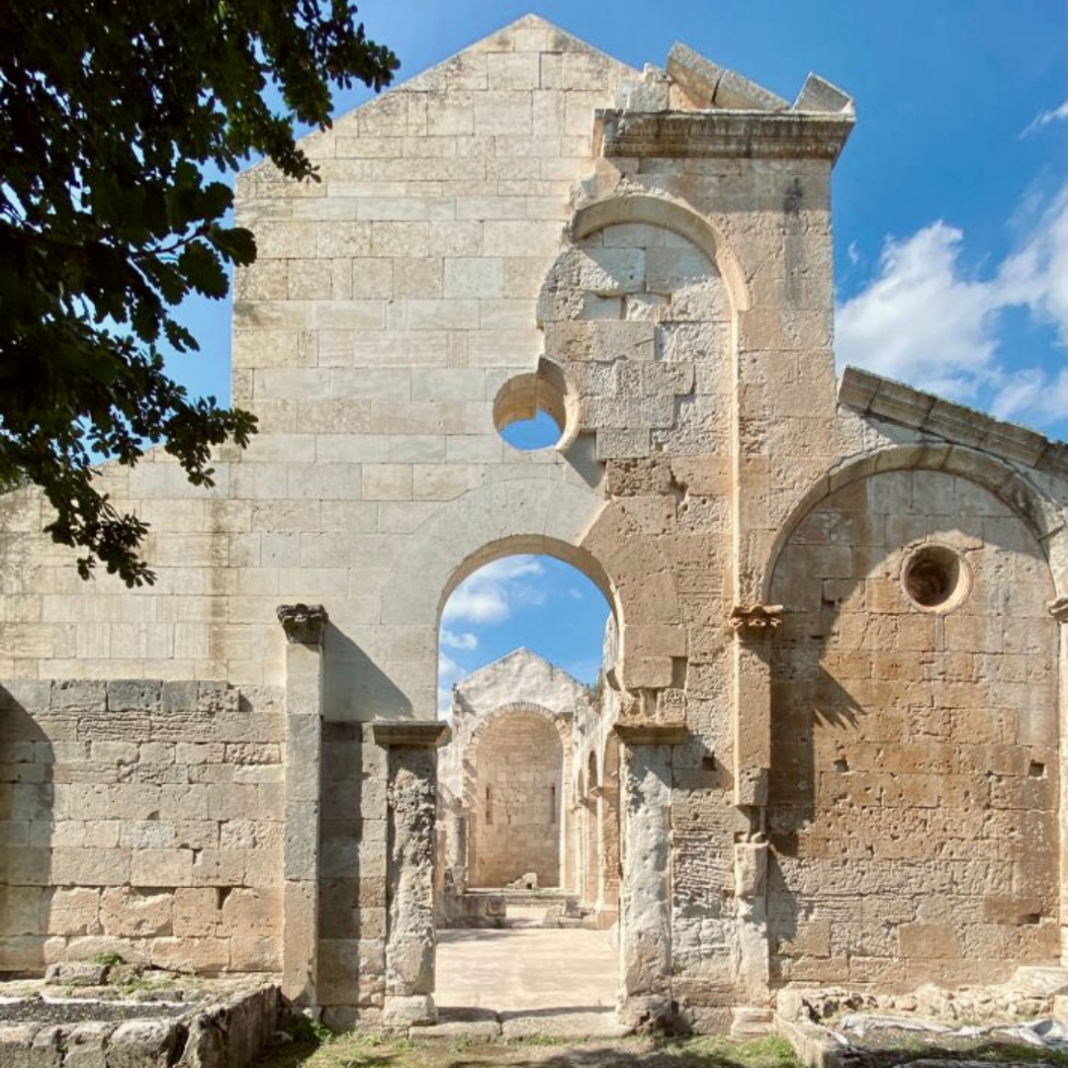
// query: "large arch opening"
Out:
[523,660]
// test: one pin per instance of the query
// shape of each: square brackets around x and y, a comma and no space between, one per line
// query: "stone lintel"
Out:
[426,734]
[652,733]
[871,394]
[720,134]
[304,624]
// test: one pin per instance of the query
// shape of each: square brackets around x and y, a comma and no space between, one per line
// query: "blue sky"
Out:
[950,207]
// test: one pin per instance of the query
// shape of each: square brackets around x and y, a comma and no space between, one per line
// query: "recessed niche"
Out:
[529,411]
[935,578]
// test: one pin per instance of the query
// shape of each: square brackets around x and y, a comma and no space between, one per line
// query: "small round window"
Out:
[936,578]
[529,411]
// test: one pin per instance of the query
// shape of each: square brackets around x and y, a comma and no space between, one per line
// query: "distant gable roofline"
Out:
[522,652]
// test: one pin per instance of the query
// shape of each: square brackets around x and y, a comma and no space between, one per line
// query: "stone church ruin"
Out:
[831,739]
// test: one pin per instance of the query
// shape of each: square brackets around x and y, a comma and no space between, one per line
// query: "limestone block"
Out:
[129,913]
[194,912]
[342,239]
[86,1043]
[252,912]
[450,314]
[919,940]
[74,911]
[300,947]
[196,955]
[302,840]
[218,867]
[20,910]
[387,482]
[818,94]
[75,694]
[146,834]
[93,867]
[255,954]
[157,867]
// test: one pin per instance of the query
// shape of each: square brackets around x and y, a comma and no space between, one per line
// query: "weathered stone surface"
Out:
[645,256]
[76,973]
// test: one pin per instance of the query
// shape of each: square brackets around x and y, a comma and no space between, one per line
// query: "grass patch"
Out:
[305,1031]
[108,960]
[769,1051]
[357,1050]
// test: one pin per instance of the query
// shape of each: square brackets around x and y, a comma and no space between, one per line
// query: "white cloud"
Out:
[493,592]
[854,253]
[452,640]
[1033,396]
[1044,118]
[925,321]
[449,673]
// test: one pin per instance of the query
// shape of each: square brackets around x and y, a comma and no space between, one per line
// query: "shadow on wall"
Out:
[352,888]
[27,794]
[354,686]
[912,803]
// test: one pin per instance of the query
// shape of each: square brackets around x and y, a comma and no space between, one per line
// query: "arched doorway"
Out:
[510,774]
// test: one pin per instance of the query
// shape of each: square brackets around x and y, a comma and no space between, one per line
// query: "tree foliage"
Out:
[109,111]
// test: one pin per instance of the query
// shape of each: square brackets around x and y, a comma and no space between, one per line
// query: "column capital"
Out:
[755,618]
[304,624]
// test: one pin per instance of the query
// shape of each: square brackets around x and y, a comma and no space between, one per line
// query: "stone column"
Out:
[304,626]
[750,888]
[410,937]
[456,860]
[1058,608]
[752,701]
[644,997]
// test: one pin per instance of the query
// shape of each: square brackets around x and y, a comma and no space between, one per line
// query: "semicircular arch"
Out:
[1007,484]
[553,719]
[669,215]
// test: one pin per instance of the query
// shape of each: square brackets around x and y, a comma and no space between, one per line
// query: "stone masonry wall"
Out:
[517,825]
[352,889]
[914,790]
[142,818]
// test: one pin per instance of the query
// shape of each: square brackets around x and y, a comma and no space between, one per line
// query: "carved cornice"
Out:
[421,734]
[1058,608]
[719,134]
[304,624]
[756,617]
[652,732]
